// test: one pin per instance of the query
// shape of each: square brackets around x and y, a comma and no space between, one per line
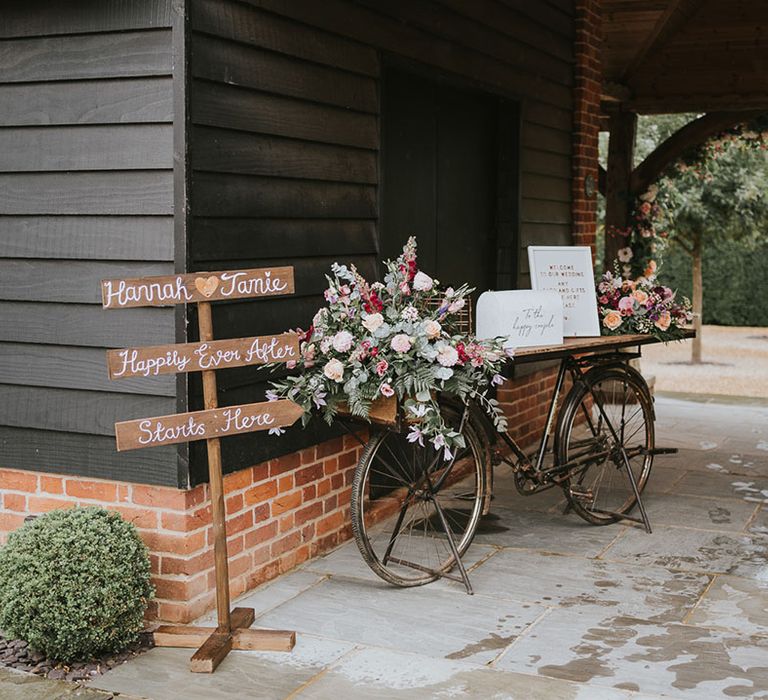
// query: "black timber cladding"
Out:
[284,141]
[86,192]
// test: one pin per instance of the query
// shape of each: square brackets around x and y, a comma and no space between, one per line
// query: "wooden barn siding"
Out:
[86,192]
[284,139]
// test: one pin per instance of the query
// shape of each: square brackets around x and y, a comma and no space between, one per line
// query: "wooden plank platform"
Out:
[578,346]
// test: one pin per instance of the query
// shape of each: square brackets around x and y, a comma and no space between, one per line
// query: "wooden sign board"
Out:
[568,271]
[203,425]
[197,357]
[196,287]
[525,318]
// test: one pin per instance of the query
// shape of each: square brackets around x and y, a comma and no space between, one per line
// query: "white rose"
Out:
[422,282]
[334,370]
[342,341]
[432,329]
[625,254]
[372,322]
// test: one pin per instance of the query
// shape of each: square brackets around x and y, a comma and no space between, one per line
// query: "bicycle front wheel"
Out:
[407,500]
[605,429]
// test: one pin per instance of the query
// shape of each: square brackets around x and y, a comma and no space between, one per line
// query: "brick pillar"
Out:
[587,88]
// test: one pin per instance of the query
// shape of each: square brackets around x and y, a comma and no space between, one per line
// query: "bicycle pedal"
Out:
[581,494]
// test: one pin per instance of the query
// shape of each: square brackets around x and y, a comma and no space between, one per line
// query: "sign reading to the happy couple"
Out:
[206,355]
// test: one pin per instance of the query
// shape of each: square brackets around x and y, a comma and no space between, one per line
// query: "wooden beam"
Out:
[618,199]
[615,92]
[677,13]
[692,134]
[698,102]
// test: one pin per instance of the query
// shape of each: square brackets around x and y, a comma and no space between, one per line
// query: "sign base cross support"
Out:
[233,630]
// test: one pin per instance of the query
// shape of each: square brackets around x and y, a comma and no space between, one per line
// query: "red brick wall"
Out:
[586,126]
[279,514]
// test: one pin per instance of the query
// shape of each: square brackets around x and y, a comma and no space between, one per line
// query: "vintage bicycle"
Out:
[414,515]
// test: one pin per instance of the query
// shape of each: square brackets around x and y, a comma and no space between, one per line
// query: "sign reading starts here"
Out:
[202,425]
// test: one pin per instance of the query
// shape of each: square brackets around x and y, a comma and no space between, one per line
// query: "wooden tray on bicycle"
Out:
[384,411]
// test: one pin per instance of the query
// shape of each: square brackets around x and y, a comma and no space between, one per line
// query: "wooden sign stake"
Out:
[232,631]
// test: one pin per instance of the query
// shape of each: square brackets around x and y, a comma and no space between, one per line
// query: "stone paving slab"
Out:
[557,580]
[734,603]
[382,674]
[163,674]
[439,623]
[718,462]
[548,532]
[694,550]
[595,646]
[720,484]
[25,686]
[759,525]
[728,515]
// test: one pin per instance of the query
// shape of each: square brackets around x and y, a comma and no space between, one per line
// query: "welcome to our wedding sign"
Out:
[568,271]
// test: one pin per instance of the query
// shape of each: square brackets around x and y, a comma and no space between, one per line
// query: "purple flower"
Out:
[416,436]
[498,380]
[319,399]
[272,395]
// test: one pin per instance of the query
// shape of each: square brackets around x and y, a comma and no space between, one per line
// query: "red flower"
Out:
[373,352]
[462,351]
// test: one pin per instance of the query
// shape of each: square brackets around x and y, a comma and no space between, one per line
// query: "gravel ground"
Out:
[735,363]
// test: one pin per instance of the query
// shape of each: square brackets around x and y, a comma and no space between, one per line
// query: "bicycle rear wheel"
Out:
[605,428]
[404,499]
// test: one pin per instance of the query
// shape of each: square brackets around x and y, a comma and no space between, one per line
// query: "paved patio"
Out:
[561,610]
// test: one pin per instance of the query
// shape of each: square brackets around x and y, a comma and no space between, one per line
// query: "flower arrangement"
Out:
[641,306]
[393,339]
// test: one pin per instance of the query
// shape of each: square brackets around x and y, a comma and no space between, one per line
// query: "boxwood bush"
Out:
[74,584]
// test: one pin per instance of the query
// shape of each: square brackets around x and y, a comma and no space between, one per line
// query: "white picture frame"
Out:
[568,270]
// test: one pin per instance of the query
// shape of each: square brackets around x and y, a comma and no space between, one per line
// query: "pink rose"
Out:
[342,341]
[626,306]
[401,343]
[612,320]
[381,367]
[386,390]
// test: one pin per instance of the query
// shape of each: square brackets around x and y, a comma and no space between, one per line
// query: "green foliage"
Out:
[74,583]
[734,280]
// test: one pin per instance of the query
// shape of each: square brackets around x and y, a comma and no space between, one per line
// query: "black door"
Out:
[439,172]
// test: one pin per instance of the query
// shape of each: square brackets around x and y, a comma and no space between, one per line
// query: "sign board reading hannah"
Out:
[199,286]
[525,317]
[202,425]
[568,271]
[197,357]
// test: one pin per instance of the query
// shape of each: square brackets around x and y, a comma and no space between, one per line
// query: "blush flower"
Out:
[373,322]
[342,341]
[422,282]
[447,356]
[664,320]
[401,343]
[640,296]
[626,306]
[386,390]
[432,329]
[334,370]
[381,367]
[612,320]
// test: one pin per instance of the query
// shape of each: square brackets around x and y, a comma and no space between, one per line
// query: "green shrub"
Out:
[74,583]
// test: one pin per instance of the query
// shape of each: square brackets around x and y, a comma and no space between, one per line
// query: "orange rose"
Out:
[650,271]
[665,318]
[612,320]
[640,296]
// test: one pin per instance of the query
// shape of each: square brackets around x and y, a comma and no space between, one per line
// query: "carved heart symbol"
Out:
[207,286]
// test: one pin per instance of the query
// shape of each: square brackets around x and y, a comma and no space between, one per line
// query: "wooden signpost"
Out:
[210,424]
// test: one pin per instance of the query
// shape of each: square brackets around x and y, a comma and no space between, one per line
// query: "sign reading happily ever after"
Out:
[568,271]
[524,317]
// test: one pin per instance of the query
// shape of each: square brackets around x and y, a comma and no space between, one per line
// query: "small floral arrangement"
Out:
[393,339]
[641,306]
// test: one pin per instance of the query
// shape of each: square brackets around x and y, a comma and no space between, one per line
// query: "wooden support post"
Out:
[618,196]
[216,481]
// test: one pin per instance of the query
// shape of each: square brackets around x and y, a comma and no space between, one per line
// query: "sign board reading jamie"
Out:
[195,287]
[202,425]
[568,271]
[197,357]
[524,317]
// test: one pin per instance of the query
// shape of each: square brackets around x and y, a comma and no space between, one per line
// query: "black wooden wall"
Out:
[86,192]
[284,137]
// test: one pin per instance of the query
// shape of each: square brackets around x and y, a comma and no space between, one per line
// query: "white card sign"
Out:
[525,317]
[568,271]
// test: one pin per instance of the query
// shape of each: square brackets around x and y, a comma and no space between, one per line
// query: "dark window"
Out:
[445,160]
